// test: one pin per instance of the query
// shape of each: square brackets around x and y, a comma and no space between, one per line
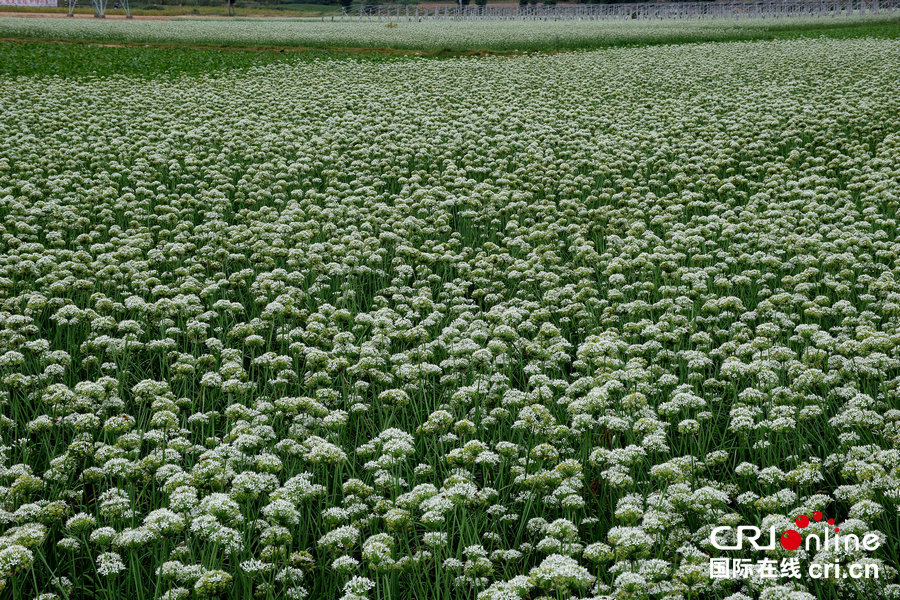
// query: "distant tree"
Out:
[481,3]
[346,4]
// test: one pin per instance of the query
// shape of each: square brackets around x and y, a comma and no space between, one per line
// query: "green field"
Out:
[83,60]
[443,312]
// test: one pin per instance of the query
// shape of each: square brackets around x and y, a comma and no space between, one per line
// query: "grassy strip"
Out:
[888,28]
[87,60]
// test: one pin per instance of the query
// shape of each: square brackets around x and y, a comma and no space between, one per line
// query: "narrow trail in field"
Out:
[348,50]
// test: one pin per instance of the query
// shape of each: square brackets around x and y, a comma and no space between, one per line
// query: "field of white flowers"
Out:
[427,35]
[494,328]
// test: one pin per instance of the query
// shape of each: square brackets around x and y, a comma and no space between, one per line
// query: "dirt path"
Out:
[119,15]
[345,50]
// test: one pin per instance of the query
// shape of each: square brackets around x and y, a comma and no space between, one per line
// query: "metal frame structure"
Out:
[99,7]
[643,10]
